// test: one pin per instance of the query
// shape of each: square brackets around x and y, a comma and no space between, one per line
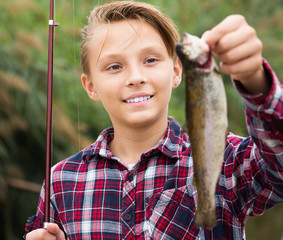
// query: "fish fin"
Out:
[194,181]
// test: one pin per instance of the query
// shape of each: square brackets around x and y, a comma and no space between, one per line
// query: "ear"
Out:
[177,73]
[89,87]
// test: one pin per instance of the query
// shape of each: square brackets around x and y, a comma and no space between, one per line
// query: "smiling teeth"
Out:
[136,100]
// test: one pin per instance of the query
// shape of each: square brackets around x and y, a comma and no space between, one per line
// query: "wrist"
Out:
[257,82]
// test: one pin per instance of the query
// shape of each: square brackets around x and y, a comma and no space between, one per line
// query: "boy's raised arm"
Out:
[239,50]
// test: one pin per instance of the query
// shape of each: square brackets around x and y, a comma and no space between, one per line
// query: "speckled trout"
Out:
[206,122]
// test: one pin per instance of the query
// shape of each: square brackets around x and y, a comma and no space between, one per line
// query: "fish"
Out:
[206,122]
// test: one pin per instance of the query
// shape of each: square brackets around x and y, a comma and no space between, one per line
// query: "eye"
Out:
[151,60]
[114,67]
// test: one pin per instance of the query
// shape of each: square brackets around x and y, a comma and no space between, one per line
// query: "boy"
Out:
[135,181]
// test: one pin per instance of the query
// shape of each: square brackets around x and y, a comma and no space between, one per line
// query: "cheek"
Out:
[165,88]
[104,85]
[107,93]
[165,79]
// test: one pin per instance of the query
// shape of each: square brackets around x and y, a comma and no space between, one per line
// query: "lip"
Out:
[138,98]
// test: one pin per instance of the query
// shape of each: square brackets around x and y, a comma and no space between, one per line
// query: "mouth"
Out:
[138,99]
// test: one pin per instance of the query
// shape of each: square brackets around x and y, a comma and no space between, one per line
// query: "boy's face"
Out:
[131,73]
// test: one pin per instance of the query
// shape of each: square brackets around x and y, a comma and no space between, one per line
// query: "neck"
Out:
[130,142]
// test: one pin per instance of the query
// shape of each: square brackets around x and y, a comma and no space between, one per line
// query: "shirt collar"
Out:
[173,143]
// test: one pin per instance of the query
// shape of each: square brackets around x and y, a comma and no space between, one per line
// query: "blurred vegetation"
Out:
[76,119]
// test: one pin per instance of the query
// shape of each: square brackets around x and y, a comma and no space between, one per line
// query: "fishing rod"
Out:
[51,24]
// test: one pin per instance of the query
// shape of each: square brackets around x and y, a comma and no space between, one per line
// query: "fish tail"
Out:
[205,213]
[205,219]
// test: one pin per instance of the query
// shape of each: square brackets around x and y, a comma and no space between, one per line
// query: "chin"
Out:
[144,120]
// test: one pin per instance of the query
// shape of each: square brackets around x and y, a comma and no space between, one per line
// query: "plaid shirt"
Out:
[95,196]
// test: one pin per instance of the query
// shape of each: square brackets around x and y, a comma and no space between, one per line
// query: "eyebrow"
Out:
[152,48]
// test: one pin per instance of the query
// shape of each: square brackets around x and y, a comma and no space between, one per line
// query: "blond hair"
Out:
[129,10]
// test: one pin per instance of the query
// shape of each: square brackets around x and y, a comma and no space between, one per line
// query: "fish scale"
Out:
[206,122]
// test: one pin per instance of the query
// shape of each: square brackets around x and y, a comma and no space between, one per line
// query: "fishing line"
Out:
[77,87]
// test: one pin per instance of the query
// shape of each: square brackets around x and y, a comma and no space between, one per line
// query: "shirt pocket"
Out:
[170,214]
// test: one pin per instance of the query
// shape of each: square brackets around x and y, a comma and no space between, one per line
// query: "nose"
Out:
[136,77]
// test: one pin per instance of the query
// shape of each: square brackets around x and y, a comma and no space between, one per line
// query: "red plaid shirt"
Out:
[95,196]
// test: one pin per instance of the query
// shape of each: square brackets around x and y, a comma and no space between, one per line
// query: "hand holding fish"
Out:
[239,50]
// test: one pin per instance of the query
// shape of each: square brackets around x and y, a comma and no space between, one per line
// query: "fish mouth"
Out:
[138,99]
[194,52]
[203,61]
[207,64]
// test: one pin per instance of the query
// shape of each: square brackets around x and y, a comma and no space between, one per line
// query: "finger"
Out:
[54,229]
[241,36]
[41,234]
[243,69]
[243,51]
[229,24]
[205,35]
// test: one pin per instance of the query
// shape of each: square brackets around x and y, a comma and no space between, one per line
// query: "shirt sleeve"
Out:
[254,169]
[36,221]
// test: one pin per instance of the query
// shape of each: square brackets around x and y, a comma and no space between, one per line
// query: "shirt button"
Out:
[131,177]
[128,217]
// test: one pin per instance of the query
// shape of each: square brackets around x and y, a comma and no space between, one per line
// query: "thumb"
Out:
[208,37]
[54,229]
[205,34]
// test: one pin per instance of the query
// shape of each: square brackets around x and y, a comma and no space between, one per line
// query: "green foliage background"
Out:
[76,119]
